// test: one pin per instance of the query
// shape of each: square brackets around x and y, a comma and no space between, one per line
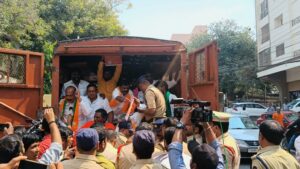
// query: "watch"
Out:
[180,125]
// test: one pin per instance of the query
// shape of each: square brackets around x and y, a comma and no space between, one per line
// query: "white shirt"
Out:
[297,147]
[163,159]
[82,87]
[69,110]
[90,107]
[117,93]
[172,96]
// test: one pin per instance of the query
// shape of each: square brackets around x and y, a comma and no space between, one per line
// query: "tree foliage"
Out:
[237,58]
[39,24]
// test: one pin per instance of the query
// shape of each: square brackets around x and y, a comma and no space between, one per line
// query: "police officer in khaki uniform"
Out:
[154,99]
[230,148]
[125,131]
[271,155]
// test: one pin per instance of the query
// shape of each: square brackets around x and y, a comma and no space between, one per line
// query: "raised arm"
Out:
[117,73]
[50,117]
[212,141]
[100,71]
[52,155]
[175,148]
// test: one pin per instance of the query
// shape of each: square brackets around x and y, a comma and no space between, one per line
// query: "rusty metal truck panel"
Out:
[21,85]
[116,50]
[203,74]
[199,69]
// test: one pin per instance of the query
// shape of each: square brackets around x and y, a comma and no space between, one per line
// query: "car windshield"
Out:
[292,116]
[241,123]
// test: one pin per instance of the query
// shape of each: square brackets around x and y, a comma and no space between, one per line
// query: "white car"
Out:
[245,132]
[247,108]
[294,105]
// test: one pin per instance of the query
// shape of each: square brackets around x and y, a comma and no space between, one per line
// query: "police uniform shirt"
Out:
[230,150]
[82,161]
[274,157]
[229,147]
[127,159]
[110,152]
[146,164]
[155,100]
[121,140]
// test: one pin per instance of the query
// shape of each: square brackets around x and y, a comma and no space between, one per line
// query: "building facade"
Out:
[186,38]
[278,44]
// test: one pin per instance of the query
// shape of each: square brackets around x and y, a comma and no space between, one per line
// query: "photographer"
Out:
[11,146]
[208,156]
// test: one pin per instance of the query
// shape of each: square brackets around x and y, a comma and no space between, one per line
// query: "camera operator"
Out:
[202,155]
[11,145]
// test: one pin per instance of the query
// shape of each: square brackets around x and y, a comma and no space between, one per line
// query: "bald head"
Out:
[70,93]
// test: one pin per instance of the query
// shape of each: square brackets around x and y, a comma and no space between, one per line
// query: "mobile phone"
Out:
[28,164]
[2,126]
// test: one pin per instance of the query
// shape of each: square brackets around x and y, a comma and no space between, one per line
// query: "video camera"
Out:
[201,112]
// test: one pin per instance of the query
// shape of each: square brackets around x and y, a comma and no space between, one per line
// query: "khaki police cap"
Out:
[220,116]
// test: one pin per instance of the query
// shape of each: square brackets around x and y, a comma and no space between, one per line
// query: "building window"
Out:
[278,21]
[297,53]
[265,33]
[296,21]
[263,9]
[280,50]
[264,57]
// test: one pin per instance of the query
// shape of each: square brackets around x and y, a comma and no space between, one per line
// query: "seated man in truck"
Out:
[154,99]
[106,82]
[76,82]
[93,102]
[122,101]
[70,108]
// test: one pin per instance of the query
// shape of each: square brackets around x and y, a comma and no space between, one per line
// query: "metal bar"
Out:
[18,52]
[14,110]
[26,66]
[41,85]
[123,53]
[111,46]
[8,69]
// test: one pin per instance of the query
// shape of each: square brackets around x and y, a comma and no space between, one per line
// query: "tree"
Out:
[237,57]
[39,24]
[20,22]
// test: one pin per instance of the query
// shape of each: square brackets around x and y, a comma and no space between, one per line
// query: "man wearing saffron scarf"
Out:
[122,101]
[70,108]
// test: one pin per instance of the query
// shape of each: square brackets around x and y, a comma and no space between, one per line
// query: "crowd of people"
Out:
[109,126]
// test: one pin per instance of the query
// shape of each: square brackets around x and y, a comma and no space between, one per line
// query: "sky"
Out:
[162,18]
